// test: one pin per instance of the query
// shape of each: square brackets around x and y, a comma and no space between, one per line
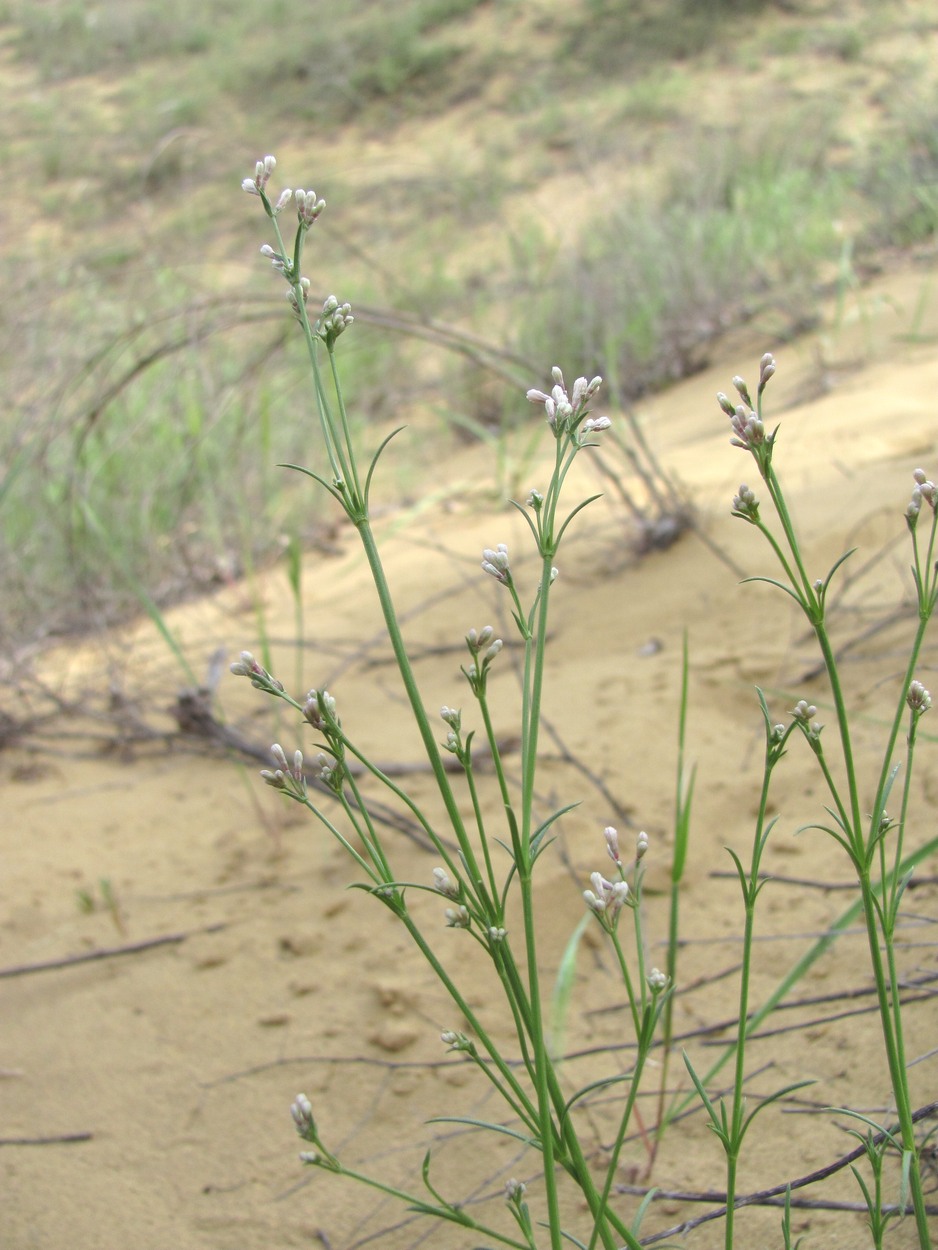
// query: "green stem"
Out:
[343,417]
[890,1015]
[454,1215]
[534,674]
[491,1049]
[410,685]
[488,898]
[855,832]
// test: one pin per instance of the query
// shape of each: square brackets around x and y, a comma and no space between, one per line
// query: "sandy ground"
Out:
[178,1063]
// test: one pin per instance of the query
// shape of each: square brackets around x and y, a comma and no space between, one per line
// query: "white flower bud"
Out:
[443,885]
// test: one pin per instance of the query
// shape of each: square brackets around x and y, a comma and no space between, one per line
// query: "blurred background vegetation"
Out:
[606,185]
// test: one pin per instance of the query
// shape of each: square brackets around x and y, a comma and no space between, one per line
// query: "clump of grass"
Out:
[901,172]
[68,38]
[649,286]
[641,36]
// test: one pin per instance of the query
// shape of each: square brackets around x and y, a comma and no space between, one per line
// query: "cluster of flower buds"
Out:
[247,666]
[287,776]
[335,318]
[294,301]
[766,370]
[478,639]
[319,710]
[748,429]
[606,897]
[262,172]
[457,917]
[923,491]
[308,207]
[443,884]
[495,563]
[804,714]
[657,980]
[484,646]
[330,772]
[918,698]
[457,1041]
[566,411]
[258,186]
[745,504]
[302,1112]
[452,716]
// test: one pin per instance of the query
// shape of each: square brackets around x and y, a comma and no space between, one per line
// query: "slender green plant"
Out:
[469,877]
[875,845]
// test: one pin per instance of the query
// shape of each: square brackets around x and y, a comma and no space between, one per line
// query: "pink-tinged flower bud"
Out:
[743,390]
[319,717]
[594,902]
[612,844]
[302,1112]
[745,504]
